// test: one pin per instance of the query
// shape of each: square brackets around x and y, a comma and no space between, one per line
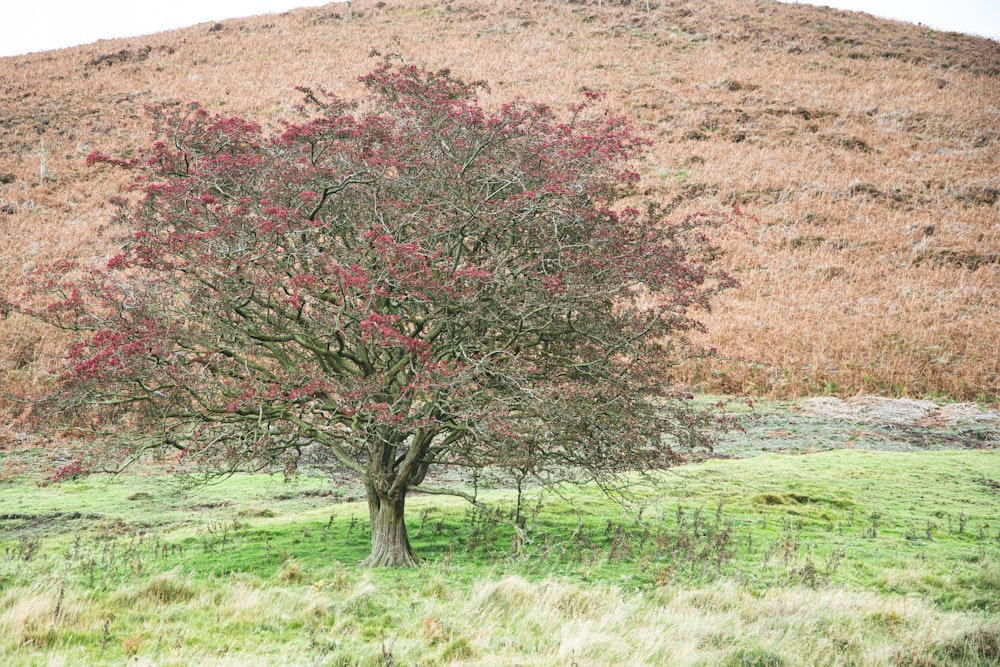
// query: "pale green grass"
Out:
[360,620]
[835,558]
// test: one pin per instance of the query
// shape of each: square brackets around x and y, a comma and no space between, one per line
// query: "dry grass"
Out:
[509,621]
[865,149]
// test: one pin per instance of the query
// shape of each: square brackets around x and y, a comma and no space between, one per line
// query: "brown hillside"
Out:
[868,152]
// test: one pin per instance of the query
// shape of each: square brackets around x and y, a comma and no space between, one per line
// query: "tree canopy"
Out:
[409,281]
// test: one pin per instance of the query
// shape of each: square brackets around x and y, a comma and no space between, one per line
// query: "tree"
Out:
[409,281]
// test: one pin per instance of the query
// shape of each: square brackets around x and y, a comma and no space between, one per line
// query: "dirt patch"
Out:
[864,422]
[898,411]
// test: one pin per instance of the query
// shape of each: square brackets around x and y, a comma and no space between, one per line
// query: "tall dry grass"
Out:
[864,149]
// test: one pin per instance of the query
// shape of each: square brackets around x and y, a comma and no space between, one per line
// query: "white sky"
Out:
[27,26]
[40,25]
[975,17]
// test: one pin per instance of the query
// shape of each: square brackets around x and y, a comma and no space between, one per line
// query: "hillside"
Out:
[865,152]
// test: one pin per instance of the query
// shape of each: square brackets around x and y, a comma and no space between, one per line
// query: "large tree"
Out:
[408,281]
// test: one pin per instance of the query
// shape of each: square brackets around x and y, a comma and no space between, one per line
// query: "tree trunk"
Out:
[390,544]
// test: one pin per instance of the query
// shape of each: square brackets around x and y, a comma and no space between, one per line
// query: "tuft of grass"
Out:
[166,589]
[752,657]
[291,571]
[459,649]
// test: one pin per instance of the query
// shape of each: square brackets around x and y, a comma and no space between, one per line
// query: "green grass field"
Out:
[855,555]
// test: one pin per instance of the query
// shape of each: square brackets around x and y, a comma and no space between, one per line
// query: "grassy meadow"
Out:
[860,554]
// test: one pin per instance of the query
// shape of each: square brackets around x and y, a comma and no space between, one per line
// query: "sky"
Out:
[975,17]
[27,26]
